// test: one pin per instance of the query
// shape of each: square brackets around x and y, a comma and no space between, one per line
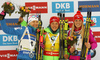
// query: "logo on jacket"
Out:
[53,38]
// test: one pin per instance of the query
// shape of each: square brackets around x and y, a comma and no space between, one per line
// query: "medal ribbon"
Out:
[78,41]
[31,48]
[54,40]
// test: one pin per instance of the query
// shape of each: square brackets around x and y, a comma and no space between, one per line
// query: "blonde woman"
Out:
[78,30]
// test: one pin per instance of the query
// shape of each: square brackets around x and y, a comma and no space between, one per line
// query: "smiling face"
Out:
[78,23]
[54,26]
[34,23]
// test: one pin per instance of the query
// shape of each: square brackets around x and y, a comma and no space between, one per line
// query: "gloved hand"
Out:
[42,45]
[38,30]
[2,15]
[66,56]
[20,20]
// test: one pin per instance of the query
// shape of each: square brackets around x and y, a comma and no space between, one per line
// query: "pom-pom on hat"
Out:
[78,15]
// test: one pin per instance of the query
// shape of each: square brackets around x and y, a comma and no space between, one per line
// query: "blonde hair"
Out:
[73,28]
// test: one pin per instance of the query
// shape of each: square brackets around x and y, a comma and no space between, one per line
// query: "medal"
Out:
[31,55]
[52,48]
[53,40]
[32,45]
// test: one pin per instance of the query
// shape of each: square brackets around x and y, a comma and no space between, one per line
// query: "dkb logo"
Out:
[65,6]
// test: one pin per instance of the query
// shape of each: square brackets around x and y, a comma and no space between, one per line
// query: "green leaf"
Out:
[9,14]
[19,12]
[16,11]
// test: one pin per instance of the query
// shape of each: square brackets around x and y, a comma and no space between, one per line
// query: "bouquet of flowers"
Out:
[8,7]
[23,11]
[71,40]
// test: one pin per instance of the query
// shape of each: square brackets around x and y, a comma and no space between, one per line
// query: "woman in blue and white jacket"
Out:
[32,24]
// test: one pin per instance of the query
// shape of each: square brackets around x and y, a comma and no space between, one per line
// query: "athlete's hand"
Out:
[38,30]
[66,56]
[20,19]
[2,15]
[88,45]
[42,45]
[72,49]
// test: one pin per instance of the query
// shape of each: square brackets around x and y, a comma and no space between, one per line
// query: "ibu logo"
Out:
[8,40]
[64,6]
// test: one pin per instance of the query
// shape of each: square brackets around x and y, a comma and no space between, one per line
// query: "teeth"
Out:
[78,24]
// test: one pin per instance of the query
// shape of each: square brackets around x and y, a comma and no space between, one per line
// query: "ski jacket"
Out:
[48,44]
[49,53]
[19,31]
[16,31]
[24,23]
[92,42]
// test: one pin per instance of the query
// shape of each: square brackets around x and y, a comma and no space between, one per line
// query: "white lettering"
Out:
[57,5]
[8,55]
[25,52]
[15,38]
[97,36]
[94,20]
[67,5]
[70,21]
[4,38]
[10,38]
[62,5]
[33,7]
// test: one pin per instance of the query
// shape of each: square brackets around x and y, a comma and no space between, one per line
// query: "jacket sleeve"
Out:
[24,23]
[9,30]
[92,40]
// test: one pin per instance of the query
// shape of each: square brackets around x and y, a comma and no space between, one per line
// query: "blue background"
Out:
[8,43]
[71,9]
[12,21]
[97,20]
[89,3]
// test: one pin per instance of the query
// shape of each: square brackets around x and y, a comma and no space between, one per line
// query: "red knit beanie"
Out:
[78,15]
[54,19]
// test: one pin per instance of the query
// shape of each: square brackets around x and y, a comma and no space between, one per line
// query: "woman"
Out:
[30,32]
[51,49]
[78,30]
[24,23]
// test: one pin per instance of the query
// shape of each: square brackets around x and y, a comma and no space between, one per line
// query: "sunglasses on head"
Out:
[35,16]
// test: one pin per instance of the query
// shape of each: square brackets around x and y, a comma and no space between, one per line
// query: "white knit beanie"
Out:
[32,18]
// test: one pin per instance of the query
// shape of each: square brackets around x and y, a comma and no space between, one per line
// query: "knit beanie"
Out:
[32,18]
[54,19]
[78,15]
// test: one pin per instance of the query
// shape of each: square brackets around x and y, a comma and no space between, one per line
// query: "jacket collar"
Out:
[77,29]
